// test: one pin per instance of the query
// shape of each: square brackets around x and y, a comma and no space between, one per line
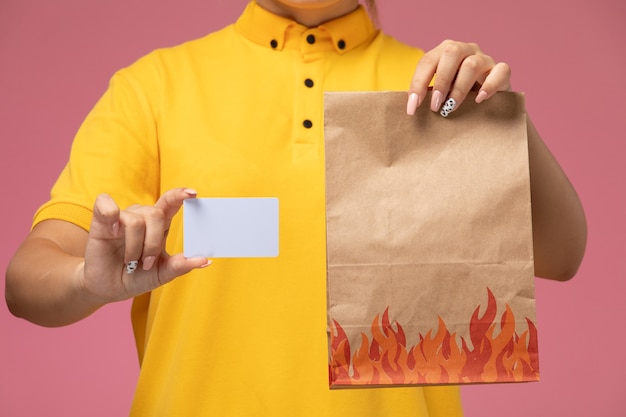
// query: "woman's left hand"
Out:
[457,68]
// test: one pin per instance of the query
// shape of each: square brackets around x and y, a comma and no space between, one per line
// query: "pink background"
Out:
[568,56]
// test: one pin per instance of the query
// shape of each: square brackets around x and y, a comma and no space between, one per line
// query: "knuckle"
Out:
[151,249]
[156,215]
[158,211]
[147,212]
[473,63]
[452,48]
[457,94]
[442,81]
[474,46]
[428,59]
[505,68]
[133,221]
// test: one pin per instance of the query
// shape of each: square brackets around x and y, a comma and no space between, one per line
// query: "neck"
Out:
[309,15]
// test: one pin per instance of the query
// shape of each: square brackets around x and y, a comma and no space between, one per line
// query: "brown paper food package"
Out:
[429,242]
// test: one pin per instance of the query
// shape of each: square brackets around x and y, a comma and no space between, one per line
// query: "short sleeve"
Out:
[115,151]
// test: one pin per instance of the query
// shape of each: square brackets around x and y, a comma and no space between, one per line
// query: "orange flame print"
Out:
[386,359]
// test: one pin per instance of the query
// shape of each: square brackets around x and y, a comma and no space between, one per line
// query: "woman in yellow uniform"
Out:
[238,113]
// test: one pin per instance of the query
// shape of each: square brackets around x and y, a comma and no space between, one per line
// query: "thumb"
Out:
[177,265]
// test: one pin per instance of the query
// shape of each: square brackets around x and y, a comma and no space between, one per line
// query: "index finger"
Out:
[422,78]
[171,201]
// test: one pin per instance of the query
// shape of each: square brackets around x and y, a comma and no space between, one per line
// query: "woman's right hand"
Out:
[61,274]
[125,252]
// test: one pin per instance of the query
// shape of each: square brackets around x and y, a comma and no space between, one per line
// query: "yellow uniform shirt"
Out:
[239,113]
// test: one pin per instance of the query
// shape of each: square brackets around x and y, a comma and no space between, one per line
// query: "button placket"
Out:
[311,44]
[306,102]
[308,129]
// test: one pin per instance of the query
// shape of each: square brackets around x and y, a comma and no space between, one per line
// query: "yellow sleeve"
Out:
[115,150]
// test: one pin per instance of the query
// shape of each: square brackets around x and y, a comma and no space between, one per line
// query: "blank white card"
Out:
[231,227]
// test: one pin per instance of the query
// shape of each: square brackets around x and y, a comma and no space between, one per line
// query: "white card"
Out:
[231,227]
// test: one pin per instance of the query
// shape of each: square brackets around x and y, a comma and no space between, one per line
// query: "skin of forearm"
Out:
[43,284]
[559,225]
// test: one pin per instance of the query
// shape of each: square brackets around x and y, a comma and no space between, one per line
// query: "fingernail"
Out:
[435,101]
[115,228]
[482,95]
[208,262]
[412,104]
[131,267]
[190,191]
[448,107]
[147,262]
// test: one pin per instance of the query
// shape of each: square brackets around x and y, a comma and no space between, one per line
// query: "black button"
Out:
[274,43]
[310,39]
[341,44]
[307,123]
[308,82]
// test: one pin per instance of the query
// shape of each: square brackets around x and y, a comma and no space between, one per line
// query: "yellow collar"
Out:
[267,29]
